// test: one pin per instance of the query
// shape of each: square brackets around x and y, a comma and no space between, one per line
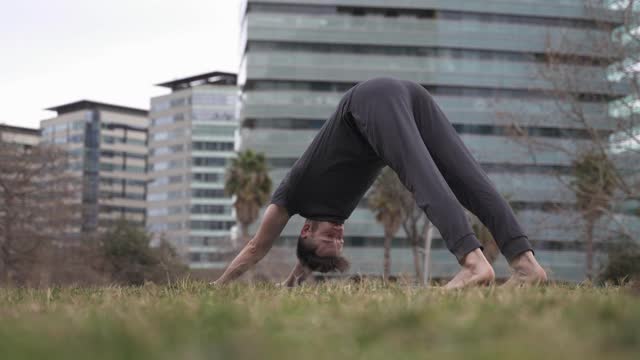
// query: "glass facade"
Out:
[107,148]
[481,65]
[192,138]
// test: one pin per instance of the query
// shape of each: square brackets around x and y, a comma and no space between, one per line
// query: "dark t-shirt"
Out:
[329,179]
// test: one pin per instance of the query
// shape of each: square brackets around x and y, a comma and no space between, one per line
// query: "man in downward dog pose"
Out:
[378,122]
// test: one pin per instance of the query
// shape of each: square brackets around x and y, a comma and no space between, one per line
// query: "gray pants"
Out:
[411,134]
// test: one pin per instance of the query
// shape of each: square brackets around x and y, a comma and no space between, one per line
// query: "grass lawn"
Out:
[336,320]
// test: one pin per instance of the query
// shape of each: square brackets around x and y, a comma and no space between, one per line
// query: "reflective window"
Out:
[164,150]
[211,225]
[165,180]
[298,124]
[108,139]
[170,119]
[213,130]
[177,102]
[121,195]
[281,162]
[160,105]
[158,196]
[415,51]
[213,146]
[171,164]
[530,131]
[208,193]
[111,154]
[419,14]
[210,209]
[212,115]
[220,241]
[165,135]
[209,161]
[490,93]
[212,99]
[159,212]
[78,125]
[124,210]
[207,177]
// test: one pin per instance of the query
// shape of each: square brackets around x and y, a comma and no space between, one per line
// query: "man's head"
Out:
[320,246]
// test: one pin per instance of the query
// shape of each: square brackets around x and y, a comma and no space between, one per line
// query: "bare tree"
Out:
[35,210]
[590,76]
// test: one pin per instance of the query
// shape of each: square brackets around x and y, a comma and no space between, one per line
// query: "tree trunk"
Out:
[387,257]
[589,249]
[416,261]
[428,235]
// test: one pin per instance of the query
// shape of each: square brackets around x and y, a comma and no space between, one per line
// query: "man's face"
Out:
[327,237]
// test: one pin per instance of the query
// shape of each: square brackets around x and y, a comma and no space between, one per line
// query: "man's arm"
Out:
[274,220]
[297,276]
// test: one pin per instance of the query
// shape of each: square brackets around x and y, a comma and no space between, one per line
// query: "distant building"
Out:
[107,145]
[191,141]
[478,59]
[22,136]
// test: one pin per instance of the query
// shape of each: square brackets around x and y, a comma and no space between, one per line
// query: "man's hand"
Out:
[274,220]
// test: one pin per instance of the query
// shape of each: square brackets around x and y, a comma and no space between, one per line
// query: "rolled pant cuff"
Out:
[516,246]
[465,245]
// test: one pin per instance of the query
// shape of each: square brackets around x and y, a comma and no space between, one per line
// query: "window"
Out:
[204,130]
[209,161]
[164,211]
[421,14]
[212,99]
[177,102]
[212,115]
[164,165]
[164,135]
[210,209]
[213,146]
[281,162]
[164,150]
[220,241]
[160,105]
[107,139]
[207,177]
[211,225]
[164,120]
[208,193]
[297,124]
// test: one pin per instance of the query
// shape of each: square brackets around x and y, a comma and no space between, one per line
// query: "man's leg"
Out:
[381,109]
[472,186]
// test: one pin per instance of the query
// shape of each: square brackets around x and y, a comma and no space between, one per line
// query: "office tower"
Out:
[191,142]
[107,147]
[479,59]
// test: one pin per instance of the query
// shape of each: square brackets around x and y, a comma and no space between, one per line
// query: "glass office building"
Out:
[107,147]
[480,59]
[191,141]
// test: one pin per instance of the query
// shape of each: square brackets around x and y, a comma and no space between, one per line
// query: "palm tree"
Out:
[386,201]
[593,186]
[248,179]
[414,220]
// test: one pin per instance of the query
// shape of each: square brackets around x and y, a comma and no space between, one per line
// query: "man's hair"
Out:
[324,264]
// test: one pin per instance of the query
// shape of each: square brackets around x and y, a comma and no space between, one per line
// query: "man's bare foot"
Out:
[526,271]
[476,270]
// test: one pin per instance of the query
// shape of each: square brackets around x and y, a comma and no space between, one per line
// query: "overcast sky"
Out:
[55,52]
